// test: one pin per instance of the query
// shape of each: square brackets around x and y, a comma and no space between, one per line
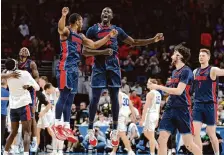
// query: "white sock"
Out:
[152,153]
[57,122]
[54,143]
[13,147]
[26,153]
[67,125]
[35,139]
[5,153]
[60,151]
[60,144]
[217,153]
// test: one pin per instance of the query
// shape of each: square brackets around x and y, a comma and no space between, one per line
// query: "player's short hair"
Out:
[48,86]
[44,78]
[11,64]
[184,51]
[73,18]
[154,81]
[108,8]
[205,51]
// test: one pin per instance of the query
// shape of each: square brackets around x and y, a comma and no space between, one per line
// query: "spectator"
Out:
[128,64]
[48,52]
[82,114]
[24,29]
[26,42]
[73,116]
[100,138]
[102,121]
[138,89]
[136,101]
[104,99]
[124,86]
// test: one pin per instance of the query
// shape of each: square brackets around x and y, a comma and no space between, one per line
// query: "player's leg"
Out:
[190,145]
[211,130]
[197,130]
[38,135]
[162,140]
[12,135]
[126,142]
[197,123]
[150,135]
[183,122]
[26,127]
[210,120]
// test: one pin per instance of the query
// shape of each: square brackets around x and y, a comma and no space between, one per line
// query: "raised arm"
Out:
[62,29]
[95,45]
[143,42]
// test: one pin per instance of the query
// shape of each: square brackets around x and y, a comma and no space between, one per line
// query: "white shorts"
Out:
[122,123]
[151,122]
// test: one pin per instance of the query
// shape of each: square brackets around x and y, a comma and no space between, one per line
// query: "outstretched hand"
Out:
[65,11]
[158,37]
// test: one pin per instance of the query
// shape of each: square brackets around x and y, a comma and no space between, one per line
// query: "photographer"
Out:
[100,138]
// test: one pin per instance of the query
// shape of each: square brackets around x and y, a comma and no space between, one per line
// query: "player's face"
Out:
[80,23]
[49,91]
[106,15]
[148,83]
[22,58]
[203,57]
[176,57]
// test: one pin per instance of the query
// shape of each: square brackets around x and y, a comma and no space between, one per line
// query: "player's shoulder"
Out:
[94,27]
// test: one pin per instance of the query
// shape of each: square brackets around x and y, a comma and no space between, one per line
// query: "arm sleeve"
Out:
[121,34]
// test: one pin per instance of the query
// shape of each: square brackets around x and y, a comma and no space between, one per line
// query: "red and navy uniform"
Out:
[21,114]
[67,68]
[205,99]
[178,114]
[26,66]
[106,69]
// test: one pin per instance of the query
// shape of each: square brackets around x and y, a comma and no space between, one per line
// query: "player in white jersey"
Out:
[150,116]
[52,95]
[19,100]
[126,108]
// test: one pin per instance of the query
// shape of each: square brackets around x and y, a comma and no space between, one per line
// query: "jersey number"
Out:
[125,102]
[158,99]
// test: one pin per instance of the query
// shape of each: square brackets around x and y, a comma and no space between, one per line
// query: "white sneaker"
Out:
[114,138]
[169,152]
[33,147]
[131,153]
[15,150]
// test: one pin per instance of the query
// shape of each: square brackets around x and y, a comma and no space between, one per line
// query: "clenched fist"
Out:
[65,11]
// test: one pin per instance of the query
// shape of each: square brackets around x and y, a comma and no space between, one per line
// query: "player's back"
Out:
[156,101]
[124,104]
[184,75]
[18,95]
[205,87]
[70,52]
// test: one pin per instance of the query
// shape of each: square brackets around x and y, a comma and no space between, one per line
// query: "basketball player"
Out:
[176,115]
[126,108]
[10,75]
[19,102]
[52,95]
[205,106]
[27,64]
[67,68]
[106,69]
[150,115]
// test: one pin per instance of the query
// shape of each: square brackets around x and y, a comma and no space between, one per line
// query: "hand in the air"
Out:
[65,11]
[158,37]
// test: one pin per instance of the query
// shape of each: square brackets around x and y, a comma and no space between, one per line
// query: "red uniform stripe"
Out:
[76,39]
[64,55]
[28,113]
[188,87]
[215,99]
[62,79]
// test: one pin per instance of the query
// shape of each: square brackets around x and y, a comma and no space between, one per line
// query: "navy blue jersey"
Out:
[184,75]
[70,52]
[26,66]
[205,87]
[97,32]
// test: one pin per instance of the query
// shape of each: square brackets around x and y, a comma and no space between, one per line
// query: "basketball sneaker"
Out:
[59,132]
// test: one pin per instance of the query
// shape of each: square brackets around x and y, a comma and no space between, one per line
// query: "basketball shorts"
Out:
[176,119]
[106,74]
[67,79]
[20,114]
[151,122]
[122,123]
[205,113]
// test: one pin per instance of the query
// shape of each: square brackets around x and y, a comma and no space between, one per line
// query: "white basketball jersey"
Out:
[124,105]
[155,108]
